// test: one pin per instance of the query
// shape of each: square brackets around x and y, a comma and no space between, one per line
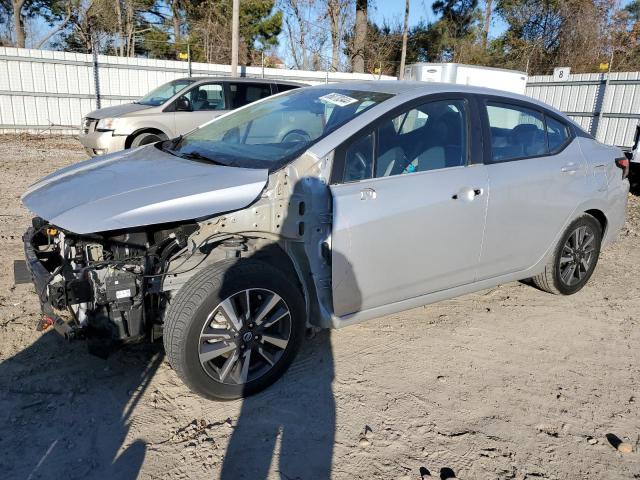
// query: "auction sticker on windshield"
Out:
[338,99]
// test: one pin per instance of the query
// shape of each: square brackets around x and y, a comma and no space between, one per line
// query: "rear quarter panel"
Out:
[606,189]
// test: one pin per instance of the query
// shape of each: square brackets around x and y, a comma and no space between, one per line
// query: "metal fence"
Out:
[45,91]
[605,105]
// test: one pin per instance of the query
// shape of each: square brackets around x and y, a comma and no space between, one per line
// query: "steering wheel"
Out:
[296,136]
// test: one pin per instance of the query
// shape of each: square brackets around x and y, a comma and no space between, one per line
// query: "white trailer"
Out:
[498,78]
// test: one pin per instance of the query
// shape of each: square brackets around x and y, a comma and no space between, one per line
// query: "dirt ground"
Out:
[509,383]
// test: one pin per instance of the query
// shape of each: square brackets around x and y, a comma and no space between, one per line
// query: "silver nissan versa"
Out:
[318,208]
[172,109]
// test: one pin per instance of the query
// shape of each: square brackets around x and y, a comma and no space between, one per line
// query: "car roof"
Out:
[413,88]
[242,80]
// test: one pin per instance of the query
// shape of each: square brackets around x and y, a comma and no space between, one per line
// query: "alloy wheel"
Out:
[245,336]
[577,255]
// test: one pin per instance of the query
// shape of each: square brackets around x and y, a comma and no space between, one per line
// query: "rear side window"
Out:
[240,94]
[557,134]
[516,132]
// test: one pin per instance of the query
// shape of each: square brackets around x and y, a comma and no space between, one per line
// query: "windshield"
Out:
[274,131]
[164,92]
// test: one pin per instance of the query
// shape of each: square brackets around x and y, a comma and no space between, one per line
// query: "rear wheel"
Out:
[574,259]
[146,138]
[234,328]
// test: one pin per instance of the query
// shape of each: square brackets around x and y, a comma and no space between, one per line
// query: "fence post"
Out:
[604,96]
[189,59]
[96,74]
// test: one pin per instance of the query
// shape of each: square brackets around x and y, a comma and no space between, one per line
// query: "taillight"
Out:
[623,163]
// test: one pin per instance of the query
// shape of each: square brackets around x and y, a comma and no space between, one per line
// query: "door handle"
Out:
[569,168]
[368,193]
[467,194]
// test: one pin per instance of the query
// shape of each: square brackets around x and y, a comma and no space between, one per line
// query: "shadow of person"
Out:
[289,428]
[67,414]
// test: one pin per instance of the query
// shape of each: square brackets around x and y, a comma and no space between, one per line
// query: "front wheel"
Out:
[146,138]
[574,259]
[234,328]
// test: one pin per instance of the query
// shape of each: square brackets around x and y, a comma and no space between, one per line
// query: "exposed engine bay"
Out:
[103,285]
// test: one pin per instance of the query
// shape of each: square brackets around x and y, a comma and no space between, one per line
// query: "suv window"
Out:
[241,94]
[516,132]
[206,97]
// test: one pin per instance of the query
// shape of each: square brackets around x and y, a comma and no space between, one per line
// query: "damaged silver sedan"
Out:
[317,208]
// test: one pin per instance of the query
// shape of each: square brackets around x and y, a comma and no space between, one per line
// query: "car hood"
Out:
[140,187]
[117,110]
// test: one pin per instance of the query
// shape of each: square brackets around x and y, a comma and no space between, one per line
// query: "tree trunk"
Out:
[18,22]
[486,23]
[405,30]
[360,39]
[333,12]
[175,18]
[120,29]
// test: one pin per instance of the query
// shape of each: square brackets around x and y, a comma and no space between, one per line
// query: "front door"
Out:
[205,102]
[409,208]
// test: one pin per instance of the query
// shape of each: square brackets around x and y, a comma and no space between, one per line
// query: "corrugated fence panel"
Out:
[609,108]
[45,90]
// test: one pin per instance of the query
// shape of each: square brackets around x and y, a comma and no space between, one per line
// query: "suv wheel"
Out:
[147,138]
[234,328]
[575,258]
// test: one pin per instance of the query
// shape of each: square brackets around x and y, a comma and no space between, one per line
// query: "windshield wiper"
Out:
[198,157]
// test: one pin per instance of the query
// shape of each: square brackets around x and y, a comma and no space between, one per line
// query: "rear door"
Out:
[240,94]
[536,176]
[409,205]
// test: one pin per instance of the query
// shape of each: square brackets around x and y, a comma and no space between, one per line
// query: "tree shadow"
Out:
[69,413]
[294,419]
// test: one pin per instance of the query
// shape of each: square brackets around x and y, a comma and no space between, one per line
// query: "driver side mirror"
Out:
[183,105]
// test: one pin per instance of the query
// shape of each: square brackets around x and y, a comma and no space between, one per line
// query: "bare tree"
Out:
[338,15]
[69,6]
[359,43]
[405,31]
[306,38]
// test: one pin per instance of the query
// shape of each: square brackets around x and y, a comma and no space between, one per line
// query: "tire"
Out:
[198,325]
[554,278]
[147,138]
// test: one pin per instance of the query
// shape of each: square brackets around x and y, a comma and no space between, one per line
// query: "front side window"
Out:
[358,163]
[274,131]
[240,94]
[164,92]
[516,132]
[428,137]
[206,97]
